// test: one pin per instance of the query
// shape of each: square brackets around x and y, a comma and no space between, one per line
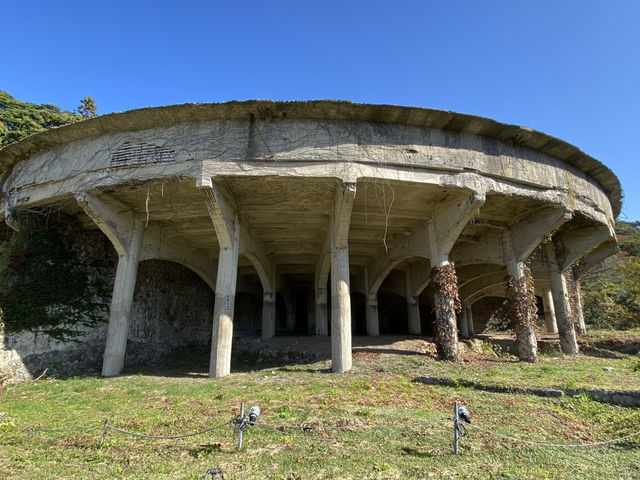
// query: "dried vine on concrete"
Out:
[523,312]
[447,303]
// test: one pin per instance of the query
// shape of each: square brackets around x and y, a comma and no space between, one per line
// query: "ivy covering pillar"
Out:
[446,301]
[521,305]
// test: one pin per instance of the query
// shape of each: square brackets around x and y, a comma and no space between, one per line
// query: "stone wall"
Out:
[172,308]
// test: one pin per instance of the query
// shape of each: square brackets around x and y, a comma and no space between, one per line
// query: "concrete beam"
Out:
[445,226]
[158,246]
[222,212]
[573,244]
[528,233]
[449,220]
[419,277]
[595,256]
[112,217]
[415,246]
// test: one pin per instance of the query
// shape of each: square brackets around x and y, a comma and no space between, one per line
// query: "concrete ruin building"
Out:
[331,218]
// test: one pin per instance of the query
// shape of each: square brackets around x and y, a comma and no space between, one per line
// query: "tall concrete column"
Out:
[566,329]
[444,301]
[341,359]
[222,332]
[560,292]
[340,311]
[121,300]
[518,293]
[549,312]
[581,327]
[413,314]
[470,327]
[223,215]
[462,322]
[577,301]
[268,315]
[373,321]
[413,306]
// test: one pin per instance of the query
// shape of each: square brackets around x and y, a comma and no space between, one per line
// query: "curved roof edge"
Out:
[149,117]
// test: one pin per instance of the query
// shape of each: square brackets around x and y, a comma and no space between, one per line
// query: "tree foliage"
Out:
[612,289]
[19,119]
[88,108]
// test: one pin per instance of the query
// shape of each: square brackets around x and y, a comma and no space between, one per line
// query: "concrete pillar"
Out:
[566,329]
[577,301]
[517,291]
[373,321]
[222,332]
[549,312]
[268,315]
[340,311]
[413,306]
[445,297]
[444,303]
[413,314]
[470,327]
[121,300]
[322,327]
[581,327]
[462,322]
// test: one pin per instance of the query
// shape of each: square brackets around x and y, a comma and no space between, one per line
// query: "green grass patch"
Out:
[373,422]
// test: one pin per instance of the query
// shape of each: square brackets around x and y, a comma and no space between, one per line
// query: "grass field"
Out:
[374,422]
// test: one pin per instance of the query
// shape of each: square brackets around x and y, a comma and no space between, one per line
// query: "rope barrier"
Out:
[555,445]
[165,437]
[105,426]
[242,422]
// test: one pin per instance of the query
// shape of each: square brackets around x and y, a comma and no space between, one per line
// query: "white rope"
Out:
[555,445]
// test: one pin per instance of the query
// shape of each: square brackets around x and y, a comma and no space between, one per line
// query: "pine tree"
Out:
[88,108]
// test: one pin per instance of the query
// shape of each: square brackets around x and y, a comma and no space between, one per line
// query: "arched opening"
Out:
[247,313]
[392,312]
[295,304]
[172,309]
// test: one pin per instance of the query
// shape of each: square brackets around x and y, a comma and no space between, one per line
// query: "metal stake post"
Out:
[455,428]
[241,427]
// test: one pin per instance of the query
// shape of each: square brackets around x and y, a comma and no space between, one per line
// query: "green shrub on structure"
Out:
[47,284]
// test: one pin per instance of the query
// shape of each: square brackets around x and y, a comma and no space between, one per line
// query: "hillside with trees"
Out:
[612,289]
[19,119]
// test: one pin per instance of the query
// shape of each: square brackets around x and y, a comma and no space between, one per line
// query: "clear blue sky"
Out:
[567,68]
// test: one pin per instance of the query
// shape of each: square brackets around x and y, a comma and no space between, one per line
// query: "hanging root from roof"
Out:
[446,305]
[523,312]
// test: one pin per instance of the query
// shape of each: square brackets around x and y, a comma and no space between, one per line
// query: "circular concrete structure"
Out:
[324,207]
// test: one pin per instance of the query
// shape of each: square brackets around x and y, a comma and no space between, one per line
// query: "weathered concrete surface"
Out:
[429,187]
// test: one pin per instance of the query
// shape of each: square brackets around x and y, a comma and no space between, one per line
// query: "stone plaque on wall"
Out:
[134,154]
